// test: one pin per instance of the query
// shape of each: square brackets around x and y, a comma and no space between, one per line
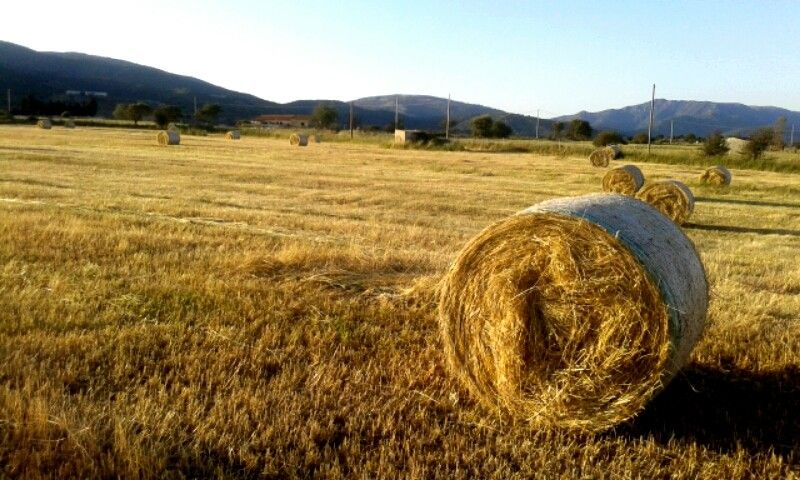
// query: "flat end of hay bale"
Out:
[670,197]
[168,137]
[625,180]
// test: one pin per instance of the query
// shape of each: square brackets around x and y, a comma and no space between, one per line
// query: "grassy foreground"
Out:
[248,309]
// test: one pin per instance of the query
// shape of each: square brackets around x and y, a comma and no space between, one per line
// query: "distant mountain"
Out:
[700,118]
[50,75]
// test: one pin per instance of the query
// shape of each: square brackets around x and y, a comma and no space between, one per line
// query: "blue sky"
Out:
[559,57]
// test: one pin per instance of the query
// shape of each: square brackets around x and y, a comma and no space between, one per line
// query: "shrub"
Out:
[715,145]
[759,141]
[608,137]
[640,137]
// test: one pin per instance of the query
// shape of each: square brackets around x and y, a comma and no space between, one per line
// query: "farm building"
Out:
[283,120]
[402,137]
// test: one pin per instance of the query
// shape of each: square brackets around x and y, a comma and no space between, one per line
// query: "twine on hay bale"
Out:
[169,137]
[233,135]
[602,156]
[298,140]
[45,123]
[573,313]
[670,197]
[626,180]
[717,175]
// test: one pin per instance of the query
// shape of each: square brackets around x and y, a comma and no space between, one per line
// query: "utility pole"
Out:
[650,123]
[351,120]
[447,124]
[671,130]
[537,124]
[195,106]
[396,112]
[9,103]
[791,135]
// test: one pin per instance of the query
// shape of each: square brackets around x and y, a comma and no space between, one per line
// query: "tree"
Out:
[607,137]
[166,114]
[715,145]
[759,141]
[640,138]
[501,130]
[690,138]
[579,130]
[208,113]
[558,130]
[324,116]
[132,111]
[481,127]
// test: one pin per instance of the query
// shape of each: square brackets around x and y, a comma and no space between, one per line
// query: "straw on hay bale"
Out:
[233,135]
[626,180]
[45,123]
[717,175]
[169,137]
[670,197]
[602,156]
[298,140]
[69,123]
[573,313]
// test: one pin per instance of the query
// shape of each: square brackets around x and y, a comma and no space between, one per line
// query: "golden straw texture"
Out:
[717,175]
[626,180]
[169,137]
[298,140]
[602,156]
[549,318]
[670,197]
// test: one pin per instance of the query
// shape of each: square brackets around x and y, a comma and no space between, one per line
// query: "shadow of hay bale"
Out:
[724,409]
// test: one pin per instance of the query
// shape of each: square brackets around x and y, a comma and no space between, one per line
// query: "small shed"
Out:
[401,137]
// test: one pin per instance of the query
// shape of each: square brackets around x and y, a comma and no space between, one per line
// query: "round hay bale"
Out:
[717,175]
[670,197]
[45,123]
[173,127]
[169,137]
[626,180]
[317,138]
[233,135]
[69,123]
[602,156]
[573,313]
[298,140]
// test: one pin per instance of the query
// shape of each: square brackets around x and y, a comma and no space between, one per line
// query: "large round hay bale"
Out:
[626,180]
[717,175]
[575,312]
[233,135]
[298,140]
[602,156]
[69,123]
[670,197]
[45,123]
[169,137]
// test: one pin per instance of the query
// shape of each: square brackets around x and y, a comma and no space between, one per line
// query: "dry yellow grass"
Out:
[232,309]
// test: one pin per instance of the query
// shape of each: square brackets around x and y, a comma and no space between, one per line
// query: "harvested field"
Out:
[245,309]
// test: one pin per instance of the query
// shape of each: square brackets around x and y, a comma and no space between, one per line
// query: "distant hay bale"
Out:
[169,137]
[602,156]
[233,135]
[173,127]
[670,197]
[69,123]
[298,140]
[626,180]
[735,145]
[45,123]
[573,313]
[316,137]
[717,175]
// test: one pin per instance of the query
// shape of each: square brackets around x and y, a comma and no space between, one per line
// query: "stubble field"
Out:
[251,309]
